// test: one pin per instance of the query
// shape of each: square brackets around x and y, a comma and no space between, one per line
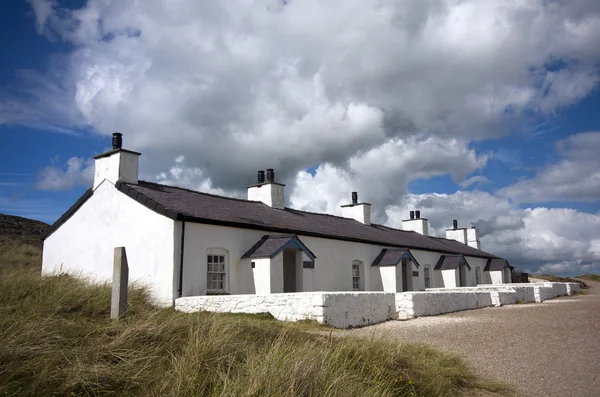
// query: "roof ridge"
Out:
[197,192]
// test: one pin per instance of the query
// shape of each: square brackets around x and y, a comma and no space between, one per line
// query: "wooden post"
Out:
[119,284]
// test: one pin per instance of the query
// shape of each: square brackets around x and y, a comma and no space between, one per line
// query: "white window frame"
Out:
[210,270]
[477,275]
[358,276]
[427,277]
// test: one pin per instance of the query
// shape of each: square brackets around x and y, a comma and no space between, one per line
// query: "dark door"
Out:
[461,276]
[289,270]
[404,277]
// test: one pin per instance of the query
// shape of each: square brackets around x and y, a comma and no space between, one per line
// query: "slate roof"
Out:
[448,262]
[392,256]
[191,206]
[270,245]
[496,264]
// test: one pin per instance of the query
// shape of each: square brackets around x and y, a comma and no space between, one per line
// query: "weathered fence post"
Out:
[119,284]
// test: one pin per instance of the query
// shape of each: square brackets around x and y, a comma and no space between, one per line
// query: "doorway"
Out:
[462,275]
[289,270]
[406,275]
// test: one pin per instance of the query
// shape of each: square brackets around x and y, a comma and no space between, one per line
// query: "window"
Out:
[356,276]
[216,270]
[477,276]
[427,277]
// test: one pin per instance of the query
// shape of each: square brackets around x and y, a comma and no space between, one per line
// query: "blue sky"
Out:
[205,108]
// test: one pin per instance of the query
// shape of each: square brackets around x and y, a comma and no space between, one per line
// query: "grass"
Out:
[56,339]
[590,277]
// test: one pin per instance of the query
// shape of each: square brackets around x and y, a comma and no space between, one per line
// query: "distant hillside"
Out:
[16,226]
[20,243]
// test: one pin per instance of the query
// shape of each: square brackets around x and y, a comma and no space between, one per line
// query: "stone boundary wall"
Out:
[423,303]
[336,309]
[356,309]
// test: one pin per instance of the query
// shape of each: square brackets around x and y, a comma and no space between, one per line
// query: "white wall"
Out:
[496,276]
[85,243]
[333,265]
[337,309]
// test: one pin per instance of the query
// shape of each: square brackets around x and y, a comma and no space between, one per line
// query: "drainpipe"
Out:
[180,290]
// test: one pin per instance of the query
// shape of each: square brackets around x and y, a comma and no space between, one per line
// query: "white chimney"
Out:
[416,224]
[357,211]
[270,192]
[456,233]
[473,237]
[117,164]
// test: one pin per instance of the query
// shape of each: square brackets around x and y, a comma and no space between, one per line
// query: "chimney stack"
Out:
[117,164]
[270,192]
[456,233]
[357,211]
[117,141]
[270,175]
[473,237]
[418,224]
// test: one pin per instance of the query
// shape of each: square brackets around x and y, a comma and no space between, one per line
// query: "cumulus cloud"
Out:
[381,175]
[558,240]
[236,85]
[76,171]
[473,181]
[576,177]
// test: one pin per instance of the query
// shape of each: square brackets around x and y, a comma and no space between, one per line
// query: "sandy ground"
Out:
[547,349]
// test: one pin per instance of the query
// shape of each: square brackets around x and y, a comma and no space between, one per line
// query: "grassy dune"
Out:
[56,339]
[590,277]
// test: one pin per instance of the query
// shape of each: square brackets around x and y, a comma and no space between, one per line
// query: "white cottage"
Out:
[181,242]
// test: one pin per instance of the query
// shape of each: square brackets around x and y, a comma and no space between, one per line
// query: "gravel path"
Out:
[547,349]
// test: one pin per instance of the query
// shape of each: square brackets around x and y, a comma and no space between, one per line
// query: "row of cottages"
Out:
[182,242]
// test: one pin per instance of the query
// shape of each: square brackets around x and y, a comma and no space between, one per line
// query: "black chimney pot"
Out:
[261,176]
[455,224]
[418,214]
[270,175]
[412,214]
[354,198]
[117,140]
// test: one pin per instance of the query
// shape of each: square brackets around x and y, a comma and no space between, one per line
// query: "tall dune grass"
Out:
[56,339]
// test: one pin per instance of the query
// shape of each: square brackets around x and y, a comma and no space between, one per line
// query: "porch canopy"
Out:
[393,256]
[450,262]
[496,264]
[271,245]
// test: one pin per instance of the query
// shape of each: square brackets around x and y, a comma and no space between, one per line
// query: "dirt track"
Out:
[547,349]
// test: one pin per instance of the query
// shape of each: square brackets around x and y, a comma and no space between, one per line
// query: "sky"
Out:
[483,111]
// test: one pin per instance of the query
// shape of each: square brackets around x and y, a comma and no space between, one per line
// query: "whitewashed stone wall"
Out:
[337,309]
[418,304]
[356,309]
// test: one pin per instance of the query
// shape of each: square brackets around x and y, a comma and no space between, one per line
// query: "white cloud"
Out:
[576,177]
[76,171]
[215,83]
[476,180]
[534,239]
[381,175]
